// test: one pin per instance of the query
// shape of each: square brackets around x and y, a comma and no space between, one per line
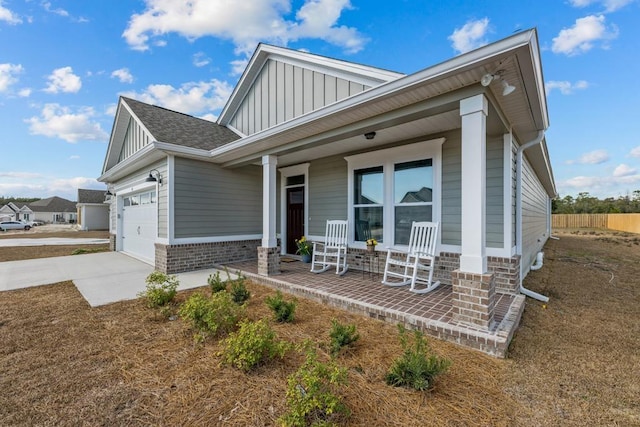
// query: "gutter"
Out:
[538,263]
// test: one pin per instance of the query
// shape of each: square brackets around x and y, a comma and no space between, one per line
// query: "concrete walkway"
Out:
[48,241]
[101,278]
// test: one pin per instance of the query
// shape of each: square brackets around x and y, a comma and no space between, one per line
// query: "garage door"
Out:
[139,225]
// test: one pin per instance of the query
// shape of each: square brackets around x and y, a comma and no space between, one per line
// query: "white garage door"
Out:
[139,225]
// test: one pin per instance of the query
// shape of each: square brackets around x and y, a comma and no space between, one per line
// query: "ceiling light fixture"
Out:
[370,135]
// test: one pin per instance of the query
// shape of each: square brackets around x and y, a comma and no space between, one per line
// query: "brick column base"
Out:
[473,298]
[112,242]
[268,261]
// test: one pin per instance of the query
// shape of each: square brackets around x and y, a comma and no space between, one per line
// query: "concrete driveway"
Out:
[101,278]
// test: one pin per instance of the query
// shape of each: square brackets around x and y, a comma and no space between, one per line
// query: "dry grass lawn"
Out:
[574,362]
[33,252]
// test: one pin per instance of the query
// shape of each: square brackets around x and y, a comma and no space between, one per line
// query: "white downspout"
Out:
[537,140]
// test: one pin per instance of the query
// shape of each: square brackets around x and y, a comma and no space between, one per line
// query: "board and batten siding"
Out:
[327,192]
[135,139]
[212,201]
[283,91]
[495,192]
[534,215]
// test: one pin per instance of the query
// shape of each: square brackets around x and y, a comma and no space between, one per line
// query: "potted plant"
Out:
[371,245]
[304,249]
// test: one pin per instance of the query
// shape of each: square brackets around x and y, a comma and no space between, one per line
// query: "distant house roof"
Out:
[90,196]
[53,204]
[423,195]
[180,129]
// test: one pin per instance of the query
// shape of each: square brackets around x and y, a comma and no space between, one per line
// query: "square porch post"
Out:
[473,296]
[268,254]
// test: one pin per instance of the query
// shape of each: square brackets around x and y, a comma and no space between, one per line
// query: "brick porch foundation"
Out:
[268,261]
[473,299]
[171,259]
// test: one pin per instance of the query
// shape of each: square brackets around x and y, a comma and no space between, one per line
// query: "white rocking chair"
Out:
[420,256]
[333,251]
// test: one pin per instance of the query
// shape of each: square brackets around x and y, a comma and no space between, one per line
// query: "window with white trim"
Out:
[391,188]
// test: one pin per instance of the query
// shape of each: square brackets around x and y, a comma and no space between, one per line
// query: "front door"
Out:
[295,217]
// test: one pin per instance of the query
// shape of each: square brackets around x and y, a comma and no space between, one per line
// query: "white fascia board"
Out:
[182,150]
[116,120]
[449,67]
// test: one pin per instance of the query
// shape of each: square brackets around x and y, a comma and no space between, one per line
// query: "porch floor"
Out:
[366,295]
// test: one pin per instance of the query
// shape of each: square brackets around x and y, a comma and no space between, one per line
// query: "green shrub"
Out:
[252,344]
[341,335]
[214,315]
[239,291]
[283,311]
[80,251]
[416,368]
[311,393]
[160,289]
[216,283]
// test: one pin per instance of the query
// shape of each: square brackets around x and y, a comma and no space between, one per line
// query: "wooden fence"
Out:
[621,222]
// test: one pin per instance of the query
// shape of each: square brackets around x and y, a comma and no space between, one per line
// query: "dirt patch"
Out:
[19,253]
[573,363]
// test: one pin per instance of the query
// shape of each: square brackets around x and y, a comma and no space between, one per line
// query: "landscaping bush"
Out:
[416,368]
[341,335]
[283,311]
[311,393]
[214,315]
[216,283]
[251,345]
[239,291]
[160,289]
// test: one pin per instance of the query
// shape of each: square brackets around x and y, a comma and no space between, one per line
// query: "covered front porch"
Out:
[362,293]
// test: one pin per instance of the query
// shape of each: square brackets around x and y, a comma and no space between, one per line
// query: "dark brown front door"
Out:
[295,217]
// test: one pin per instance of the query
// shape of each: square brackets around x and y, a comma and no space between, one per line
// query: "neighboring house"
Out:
[305,138]
[54,210]
[93,211]
[11,212]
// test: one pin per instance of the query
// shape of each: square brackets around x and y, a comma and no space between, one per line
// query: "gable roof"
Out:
[53,204]
[90,196]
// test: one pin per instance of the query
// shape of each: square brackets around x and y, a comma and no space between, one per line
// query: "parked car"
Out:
[14,225]
[36,223]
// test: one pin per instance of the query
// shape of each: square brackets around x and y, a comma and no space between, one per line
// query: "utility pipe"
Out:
[537,140]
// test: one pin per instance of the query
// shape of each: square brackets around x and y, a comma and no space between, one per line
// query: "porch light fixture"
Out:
[370,135]
[109,193]
[487,79]
[157,178]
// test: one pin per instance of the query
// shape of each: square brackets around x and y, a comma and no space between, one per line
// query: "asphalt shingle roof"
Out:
[53,204]
[90,196]
[181,129]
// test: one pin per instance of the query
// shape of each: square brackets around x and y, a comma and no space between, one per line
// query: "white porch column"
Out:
[474,176]
[269,164]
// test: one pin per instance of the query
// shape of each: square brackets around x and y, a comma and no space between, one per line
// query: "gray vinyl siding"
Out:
[134,139]
[283,91]
[212,201]
[327,192]
[534,215]
[495,191]
[452,190]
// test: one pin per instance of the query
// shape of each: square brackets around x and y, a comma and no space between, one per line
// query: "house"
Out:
[306,138]
[54,210]
[93,211]
[11,212]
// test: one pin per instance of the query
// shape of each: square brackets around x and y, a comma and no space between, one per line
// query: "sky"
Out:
[63,65]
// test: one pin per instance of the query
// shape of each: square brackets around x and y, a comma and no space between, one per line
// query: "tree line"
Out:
[586,203]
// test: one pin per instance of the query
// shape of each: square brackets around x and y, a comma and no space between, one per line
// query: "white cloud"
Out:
[63,80]
[25,92]
[635,152]
[600,186]
[238,66]
[624,170]
[74,157]
[583,35]
[244,25]
[609,5]
[200,59]
[56,121]
[8,16]
[58,11]
[28,184]
[595,157]
[190,98]
[565,87]
[470,36]
[8,75]
[123,75]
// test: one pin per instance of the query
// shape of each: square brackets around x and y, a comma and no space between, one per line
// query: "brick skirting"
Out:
[171,259]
